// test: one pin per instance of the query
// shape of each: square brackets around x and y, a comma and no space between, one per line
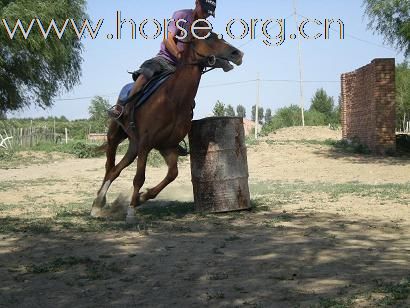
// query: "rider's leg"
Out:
[138,84]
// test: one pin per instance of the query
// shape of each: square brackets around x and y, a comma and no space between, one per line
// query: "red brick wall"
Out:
[368,105]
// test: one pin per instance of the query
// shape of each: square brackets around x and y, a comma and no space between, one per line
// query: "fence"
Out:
[28,137]
[406,130]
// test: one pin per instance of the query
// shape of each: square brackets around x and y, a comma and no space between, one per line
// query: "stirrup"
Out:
[114,113]
[183,150]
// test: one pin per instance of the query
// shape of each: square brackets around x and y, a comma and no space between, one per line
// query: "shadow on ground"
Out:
[177,258]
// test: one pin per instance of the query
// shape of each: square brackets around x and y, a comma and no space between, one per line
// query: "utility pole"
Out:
[300,66]
[257,107]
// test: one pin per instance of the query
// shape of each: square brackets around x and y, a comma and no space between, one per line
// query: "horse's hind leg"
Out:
[115,136]
[171,158]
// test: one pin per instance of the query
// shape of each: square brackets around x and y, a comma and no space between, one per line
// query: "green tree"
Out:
[98,113]
[241,111]
[315,118]
[391,19]
[284,117]
[219,109]
[322,103]
[34,70]
[229,111]
[402,94]
[260,114]
[268,115]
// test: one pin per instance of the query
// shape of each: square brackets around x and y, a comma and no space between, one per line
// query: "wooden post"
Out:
[257,109]
[31,133]
[66,136]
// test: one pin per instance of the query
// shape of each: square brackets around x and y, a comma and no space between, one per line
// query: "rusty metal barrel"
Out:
[219,166]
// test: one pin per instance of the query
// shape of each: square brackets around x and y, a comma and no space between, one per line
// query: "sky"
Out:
[106,61]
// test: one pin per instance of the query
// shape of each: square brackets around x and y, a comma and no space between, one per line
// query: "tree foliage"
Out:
[391,19]
[35,70]
[219,109]
[241,111]
[268,115]
[229,111]
[260,114]
[98,112]
[322,103]
[402,94]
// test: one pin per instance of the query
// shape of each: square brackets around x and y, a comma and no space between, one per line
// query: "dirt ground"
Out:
[327,229]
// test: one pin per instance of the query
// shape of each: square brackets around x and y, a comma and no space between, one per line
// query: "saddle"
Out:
[142,96]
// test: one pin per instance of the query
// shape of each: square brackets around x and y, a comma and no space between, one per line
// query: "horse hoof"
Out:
[96,212]
[131,217]
[100,202]
[131,220]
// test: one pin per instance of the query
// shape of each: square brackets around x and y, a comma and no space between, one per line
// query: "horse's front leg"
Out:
[139,180]
[171,158]
[115,136]
[111,175]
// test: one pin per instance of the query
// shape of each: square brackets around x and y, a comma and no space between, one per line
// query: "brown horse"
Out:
[164,120]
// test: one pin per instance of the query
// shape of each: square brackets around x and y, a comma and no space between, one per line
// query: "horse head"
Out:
[209,50]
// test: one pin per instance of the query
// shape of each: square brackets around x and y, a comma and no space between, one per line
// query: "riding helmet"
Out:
[208,6]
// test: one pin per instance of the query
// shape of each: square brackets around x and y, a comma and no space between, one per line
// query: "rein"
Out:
[208,62]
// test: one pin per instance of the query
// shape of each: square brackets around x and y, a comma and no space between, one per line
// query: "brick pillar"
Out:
[385,101]
[368,105]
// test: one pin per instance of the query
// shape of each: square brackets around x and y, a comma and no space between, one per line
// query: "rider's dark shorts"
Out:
[154,66]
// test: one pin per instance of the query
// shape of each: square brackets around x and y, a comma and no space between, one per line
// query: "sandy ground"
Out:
[328,228]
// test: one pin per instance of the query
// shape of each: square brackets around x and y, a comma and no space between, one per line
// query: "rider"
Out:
[170,52]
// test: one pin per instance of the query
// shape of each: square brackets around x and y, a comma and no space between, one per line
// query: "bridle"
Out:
[206,63]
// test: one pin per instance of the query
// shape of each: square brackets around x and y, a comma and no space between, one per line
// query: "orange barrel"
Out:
[219,166]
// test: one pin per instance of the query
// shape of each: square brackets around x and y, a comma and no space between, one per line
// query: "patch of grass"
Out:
[100,270]
[215,295]
[345,146]
[273,222]
[57,265]
[5,185]
[15,160]
[95,269]
[79,149]
[351,146]
[173,211]
[394,292]
[327,142]
[155,159]
[286,193]
[251,141]
[6,155]
[388,295]
[218,276]
[335,303]
[78,220]
[76,217]
[6,207]
[13,225]
[232,238]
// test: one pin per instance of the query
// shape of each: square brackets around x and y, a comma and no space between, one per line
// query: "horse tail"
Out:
[101,149]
